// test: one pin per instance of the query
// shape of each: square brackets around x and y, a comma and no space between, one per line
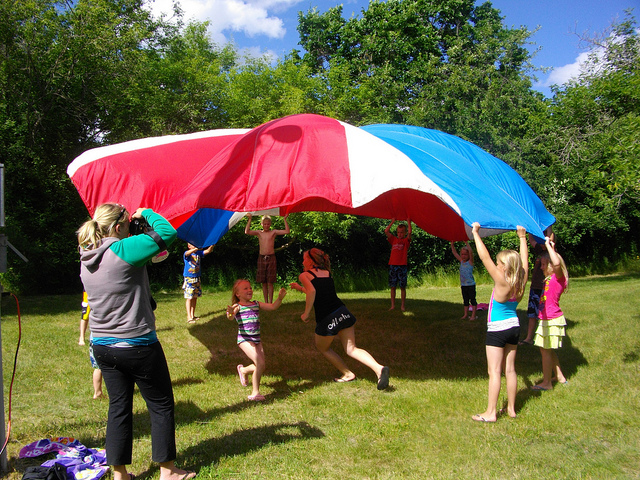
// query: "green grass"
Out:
[312,428]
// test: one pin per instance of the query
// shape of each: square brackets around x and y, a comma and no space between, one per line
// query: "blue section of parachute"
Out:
[484,188]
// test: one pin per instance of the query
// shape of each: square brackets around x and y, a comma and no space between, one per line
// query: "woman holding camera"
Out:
[123,332]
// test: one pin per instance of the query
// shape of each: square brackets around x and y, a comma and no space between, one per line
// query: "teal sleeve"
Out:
[139,249]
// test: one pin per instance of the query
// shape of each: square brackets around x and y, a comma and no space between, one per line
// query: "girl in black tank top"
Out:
[332,318]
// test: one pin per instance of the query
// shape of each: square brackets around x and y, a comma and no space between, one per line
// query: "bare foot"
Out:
[81,341]
[483,418]
[472,319]
[402,308]
[512,414]
[392,307]
[463,317]
[98,395]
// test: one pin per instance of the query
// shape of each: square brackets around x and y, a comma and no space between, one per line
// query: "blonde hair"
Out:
[563,266]
[104,220]
[513,272]
[320,259]
[234,296]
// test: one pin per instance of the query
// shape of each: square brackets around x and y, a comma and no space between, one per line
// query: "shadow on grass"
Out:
[241,442]
[428,341]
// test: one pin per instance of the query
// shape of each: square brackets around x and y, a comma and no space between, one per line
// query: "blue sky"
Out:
[269,26]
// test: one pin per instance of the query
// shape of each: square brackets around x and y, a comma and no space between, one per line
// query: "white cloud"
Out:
[251,17]
[561,75]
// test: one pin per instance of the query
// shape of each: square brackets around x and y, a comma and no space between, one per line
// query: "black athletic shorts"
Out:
[338,320]
[502,337]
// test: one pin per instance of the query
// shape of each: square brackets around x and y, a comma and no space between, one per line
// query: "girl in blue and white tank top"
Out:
[509,274]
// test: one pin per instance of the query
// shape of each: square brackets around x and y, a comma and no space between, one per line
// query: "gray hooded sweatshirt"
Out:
[114,275]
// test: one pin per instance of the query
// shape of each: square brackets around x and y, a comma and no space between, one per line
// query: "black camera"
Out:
[138,226]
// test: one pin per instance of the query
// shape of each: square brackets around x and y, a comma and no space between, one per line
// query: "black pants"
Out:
[145,366]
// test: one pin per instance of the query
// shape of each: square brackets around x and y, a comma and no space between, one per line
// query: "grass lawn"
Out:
[312,428]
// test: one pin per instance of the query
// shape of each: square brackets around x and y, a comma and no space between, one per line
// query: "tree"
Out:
[78,75]
[584,156]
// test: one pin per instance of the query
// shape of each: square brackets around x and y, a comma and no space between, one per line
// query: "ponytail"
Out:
[104,220]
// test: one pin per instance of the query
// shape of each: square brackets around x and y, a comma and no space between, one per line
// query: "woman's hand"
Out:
[305,317]
[138,213]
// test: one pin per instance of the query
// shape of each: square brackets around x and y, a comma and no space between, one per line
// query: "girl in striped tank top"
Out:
[247,314]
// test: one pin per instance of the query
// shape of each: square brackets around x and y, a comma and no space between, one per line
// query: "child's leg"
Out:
[393,298]
[323,344]
[83,330]
[270,292]
[547,367]
[191,308]
[348,339]
[403,297]
[466,309]
[255,353]
[556,368]
[511,377]
[472,300]
[265,292]
[495,357]
[531,329]
[97,383]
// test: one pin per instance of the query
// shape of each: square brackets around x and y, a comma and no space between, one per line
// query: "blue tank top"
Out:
[502,316]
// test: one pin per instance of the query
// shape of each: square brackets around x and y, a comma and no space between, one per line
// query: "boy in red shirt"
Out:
[398,260]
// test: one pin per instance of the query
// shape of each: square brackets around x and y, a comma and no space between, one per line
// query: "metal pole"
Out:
[4,465]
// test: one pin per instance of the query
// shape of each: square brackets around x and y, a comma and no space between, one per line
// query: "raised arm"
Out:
[554,259]
[470,250]
[454,251]
[286,227]
[496,274]
[524,251]
[208,250]
[387,230]
[409,228]
[247,228]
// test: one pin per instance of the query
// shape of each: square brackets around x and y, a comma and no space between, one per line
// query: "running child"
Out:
[333,319]
[246,313]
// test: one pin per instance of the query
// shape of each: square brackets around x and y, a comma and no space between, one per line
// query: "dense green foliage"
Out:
[75,75]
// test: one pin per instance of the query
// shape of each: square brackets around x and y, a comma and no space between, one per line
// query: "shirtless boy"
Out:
[267,260]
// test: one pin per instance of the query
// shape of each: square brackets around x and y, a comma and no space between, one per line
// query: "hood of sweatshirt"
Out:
[91,259]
